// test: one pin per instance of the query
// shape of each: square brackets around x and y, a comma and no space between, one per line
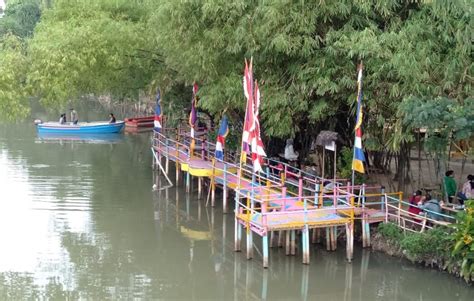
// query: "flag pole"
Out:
[239,174]
[360,67]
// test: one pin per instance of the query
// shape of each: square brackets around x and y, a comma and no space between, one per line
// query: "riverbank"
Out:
[431,249]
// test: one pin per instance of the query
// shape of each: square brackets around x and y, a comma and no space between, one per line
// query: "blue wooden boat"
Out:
[100,127]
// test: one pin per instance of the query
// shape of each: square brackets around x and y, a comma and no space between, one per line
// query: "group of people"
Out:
[451,189]
[75,118]
[420,203]
[432,207]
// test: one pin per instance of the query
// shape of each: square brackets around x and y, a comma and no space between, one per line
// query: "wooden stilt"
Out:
[265,250]
[225,204]
[224,191]
[349,241]
[293,242]
[334,239]
[199,187]
[237,236]
[305,243]
[314,235]
[280,239]
[188,182]
[249,244]
[213,194]
[177,173]
[328,239]
[367,234]
[287,242]
[272,238]
[167,164]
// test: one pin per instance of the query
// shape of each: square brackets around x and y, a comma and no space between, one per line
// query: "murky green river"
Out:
[79,220]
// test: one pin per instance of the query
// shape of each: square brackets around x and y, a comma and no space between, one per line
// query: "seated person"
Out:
[62,119]
[415,199]
[328,190]
[467,191]
[290,153]
[432,207]
[112,118]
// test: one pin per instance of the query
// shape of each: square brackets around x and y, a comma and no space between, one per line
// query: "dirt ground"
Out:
[423,174]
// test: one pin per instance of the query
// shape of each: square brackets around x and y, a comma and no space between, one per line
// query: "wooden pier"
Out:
[280,205]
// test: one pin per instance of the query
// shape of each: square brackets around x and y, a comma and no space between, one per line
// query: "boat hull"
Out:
[81,128]
[139,122]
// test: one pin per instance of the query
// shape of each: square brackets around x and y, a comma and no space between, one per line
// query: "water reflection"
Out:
[79,138]
[85,223]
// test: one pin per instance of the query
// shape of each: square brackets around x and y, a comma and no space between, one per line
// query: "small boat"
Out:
[100,127]
[138,122]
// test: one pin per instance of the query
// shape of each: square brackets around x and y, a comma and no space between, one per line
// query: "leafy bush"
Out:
[463,236]
[391,232]
[431,246]
[345,165]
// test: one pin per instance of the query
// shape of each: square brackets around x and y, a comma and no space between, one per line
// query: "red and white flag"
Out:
[258,151]
[249,117]
[251,134]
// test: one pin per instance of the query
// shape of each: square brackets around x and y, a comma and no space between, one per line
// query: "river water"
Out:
[79,220]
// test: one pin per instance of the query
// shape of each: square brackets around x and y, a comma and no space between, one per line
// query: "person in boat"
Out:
[431,207]
[112,118]
[62,119]
[416,199]
[74,116]
[290,153]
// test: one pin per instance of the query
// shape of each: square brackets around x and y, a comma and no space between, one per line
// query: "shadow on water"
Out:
[81,221]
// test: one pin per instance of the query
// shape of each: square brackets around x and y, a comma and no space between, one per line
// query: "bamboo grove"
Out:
[417,57]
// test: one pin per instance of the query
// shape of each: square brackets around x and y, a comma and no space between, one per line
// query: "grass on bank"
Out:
[449,248]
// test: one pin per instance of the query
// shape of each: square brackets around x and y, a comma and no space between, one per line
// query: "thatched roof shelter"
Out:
[326,138]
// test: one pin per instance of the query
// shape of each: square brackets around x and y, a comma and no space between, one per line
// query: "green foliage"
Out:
[463,237]
[432,246]
[345,165]
[13,68]
[445,119]
[84,47]
[391,232]
[20,18]
[304,52]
